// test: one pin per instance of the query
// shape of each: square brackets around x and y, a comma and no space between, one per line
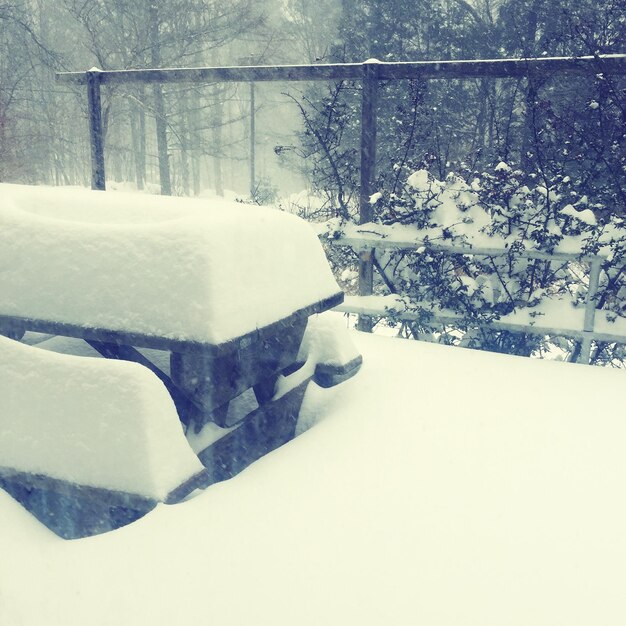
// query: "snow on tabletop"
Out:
[442,487]
[174,267]
[90,421]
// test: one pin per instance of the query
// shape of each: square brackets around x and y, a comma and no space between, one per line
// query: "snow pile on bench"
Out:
[327,354]
[327,340]
[178,268]
[93,422]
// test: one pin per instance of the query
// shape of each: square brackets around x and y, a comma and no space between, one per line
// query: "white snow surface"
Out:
[443,486]
[586,215]
[327,340]
[502,167]
[94,422]
[174,267]
[375,197]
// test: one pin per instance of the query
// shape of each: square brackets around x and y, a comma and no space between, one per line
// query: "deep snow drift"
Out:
[442,486]
[172,267]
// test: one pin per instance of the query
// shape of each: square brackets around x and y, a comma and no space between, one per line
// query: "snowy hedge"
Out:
[499,212]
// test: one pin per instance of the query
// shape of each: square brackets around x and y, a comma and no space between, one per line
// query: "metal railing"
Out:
[586,334]
[370,73]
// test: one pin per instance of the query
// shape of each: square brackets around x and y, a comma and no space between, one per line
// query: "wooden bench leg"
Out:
[264,390]
[260,432]
[212,379]
[187,410]
[15,334]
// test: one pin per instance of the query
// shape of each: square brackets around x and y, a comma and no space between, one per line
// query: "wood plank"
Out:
[224,74]
[369,117]
[15,334]
[505,68]
[264,390]
[71,510]
[11,323]
[449,317]
[201,480]
[212,381]
[265,429]
[94,105]
[327,375]
[362,243]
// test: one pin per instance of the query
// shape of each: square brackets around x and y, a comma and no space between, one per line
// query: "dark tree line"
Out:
[552,126]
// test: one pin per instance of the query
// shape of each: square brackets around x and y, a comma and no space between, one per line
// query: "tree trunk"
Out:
[218,119]
[195,141]
[138,143]
[184,146]
[159,107]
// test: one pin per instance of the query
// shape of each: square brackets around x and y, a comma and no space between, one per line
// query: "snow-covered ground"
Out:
[438,486]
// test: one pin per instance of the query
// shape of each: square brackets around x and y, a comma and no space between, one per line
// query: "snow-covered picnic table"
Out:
[174,268]
[225,290]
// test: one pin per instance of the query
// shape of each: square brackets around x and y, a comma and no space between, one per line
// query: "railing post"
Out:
[369,100]
[252,142]
[248,61]
[94,105]
[595,266]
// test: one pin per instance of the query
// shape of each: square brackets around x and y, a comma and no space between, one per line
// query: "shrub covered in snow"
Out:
[497,211]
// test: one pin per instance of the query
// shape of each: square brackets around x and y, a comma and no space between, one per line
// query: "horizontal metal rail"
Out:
[464,69]
[361,243]
[449,317]
[586,335]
